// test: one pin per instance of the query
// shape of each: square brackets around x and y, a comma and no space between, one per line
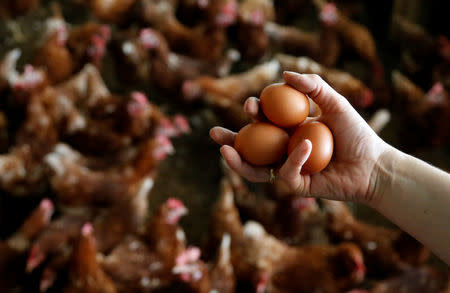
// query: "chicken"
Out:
[205,41]
[134,267]
[20,173]
[85,273]
[13,249]
[291,219]
[423,279]
[75,184]
[18,244]
[149,56]
[273,266]
[323,46]
[201,277]
[350,87]
[293,40]
[22,170]
[87,44]
[385,250]
[222,275]
[427,112]
[418,102]
[116,122]
[285,269]
[225,217]
[233,88]
[111,226]
[21,85]
[327,261]
[126,217]
[354,35]
[164,235]
[54,55]
[252,39]
[146,264]
[67,51]
[38,131]
[132,53]
[55,242]
[95,121]
[227,94]
[192,271]
[47,114]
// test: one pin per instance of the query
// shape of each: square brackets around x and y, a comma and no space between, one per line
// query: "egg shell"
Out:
[322,145]
[283,105]
[261,143]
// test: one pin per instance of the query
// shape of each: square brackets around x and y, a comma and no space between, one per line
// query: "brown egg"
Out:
[322,145]
[284,105]
[261,143]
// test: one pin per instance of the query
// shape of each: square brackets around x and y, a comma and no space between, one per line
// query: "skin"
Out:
[364,168]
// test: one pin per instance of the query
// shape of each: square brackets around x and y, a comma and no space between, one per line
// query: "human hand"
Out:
[352,173]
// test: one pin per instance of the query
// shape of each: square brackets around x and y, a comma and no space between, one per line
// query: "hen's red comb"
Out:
[190,255]
[87,229]
[35,258]
[436,95]
[48,207]
[148,38]
[175,203]
[329,14]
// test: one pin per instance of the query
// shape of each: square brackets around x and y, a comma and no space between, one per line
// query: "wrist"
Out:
[382,176]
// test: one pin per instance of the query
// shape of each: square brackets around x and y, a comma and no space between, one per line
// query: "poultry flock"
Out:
[85,157]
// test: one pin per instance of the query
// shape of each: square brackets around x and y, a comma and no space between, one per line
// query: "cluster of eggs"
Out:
[287,110]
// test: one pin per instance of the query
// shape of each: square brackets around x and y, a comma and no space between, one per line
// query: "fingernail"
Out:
[290,73]
[305,144]
[211,133]
[223,149]
[252,107]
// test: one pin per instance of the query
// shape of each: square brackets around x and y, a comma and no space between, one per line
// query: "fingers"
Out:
[222,135]
[251,173]
[290,171]
[251,107]
[317,89]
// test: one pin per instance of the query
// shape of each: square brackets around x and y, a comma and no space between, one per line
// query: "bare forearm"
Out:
[416,197]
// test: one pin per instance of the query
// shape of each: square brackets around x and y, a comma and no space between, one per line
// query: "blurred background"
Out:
[110,79]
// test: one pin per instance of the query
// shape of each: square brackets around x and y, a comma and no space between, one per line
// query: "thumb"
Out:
[290,171]
[318,90]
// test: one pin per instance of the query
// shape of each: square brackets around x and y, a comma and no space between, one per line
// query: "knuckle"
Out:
[300,189]
[316,77]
